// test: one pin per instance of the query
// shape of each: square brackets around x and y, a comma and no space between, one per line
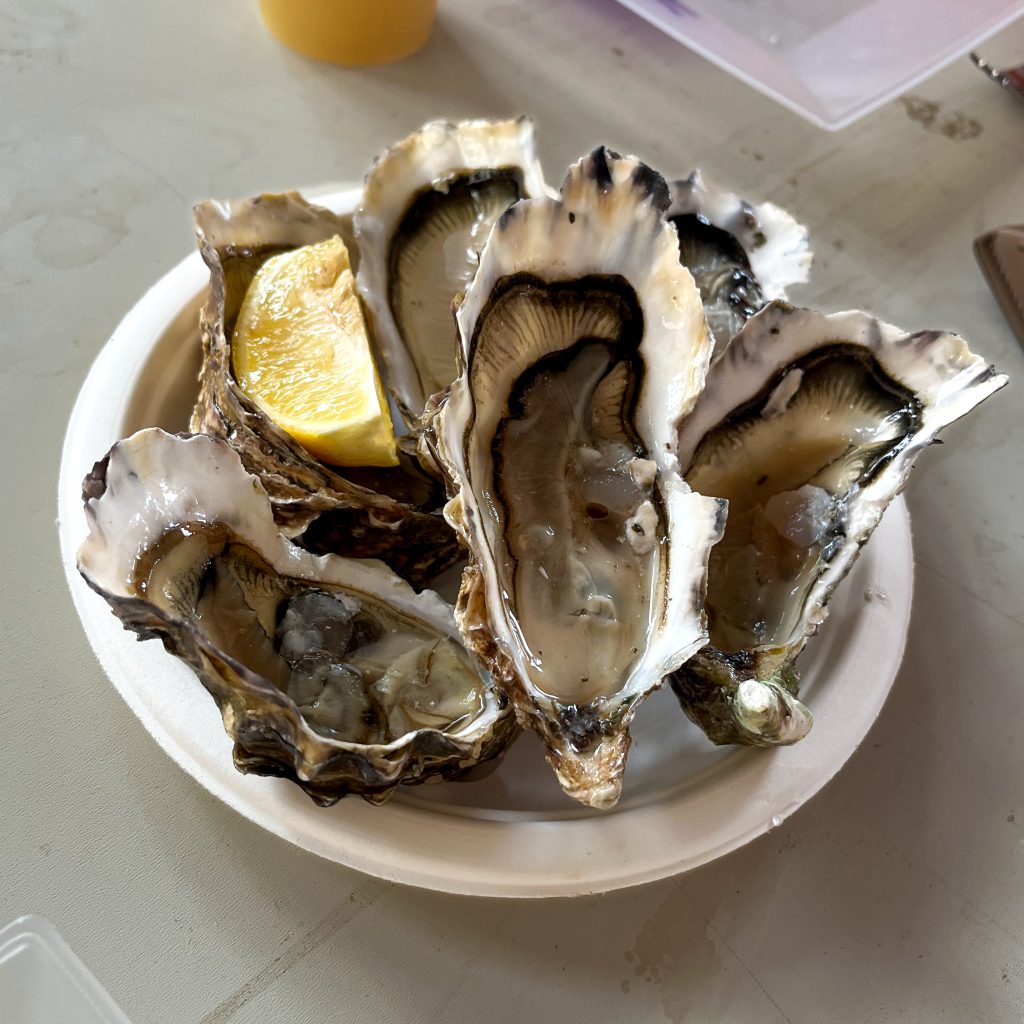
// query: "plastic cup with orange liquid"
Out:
[353,32]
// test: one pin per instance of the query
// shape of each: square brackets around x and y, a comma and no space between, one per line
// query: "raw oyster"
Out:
[328,509]
[329,671]
[740,255]
[428,205]
[808,425]
[584,344]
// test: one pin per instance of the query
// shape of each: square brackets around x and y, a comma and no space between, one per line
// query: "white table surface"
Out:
[897,893]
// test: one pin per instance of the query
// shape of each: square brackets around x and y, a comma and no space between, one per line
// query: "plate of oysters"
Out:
[610,487]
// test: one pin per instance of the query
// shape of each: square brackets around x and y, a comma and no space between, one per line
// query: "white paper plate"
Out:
[684,802]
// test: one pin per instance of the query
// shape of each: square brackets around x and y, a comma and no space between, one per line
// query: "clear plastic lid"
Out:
[831,61]
[43,982]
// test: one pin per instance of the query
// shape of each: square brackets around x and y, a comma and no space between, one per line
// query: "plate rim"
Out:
[367,827]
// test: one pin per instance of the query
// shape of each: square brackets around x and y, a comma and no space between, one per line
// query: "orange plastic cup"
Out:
[353,32]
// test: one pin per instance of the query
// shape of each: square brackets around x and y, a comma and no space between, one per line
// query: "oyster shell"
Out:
[741,255]
[428,205]
[328,671]
[584,344]
[326,508]
[808,425]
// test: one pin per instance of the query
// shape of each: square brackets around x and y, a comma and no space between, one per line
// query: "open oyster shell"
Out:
[741,255]
[329,671]
[428,206]
[584,345]
[808,425]
[327,509]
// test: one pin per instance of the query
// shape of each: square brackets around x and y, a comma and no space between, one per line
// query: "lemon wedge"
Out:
[300,351]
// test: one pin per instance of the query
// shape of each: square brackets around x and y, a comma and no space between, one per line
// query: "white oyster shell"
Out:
[580,305]
[428,205]
[777,246]
[330,671]
[773,251]
[809,425]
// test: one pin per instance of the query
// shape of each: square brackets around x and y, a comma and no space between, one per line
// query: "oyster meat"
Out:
[741,255]
[358,513]
[808,425]
[584,345]
[428,206]
[328,671]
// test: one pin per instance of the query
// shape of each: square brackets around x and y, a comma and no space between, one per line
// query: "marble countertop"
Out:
[897,893]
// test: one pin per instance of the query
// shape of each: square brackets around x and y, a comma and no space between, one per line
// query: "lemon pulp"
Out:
[301,352]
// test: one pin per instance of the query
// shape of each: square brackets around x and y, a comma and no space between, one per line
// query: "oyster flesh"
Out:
[428,205]
[328,509]
[583,345]
[740,255]
[808,425]
[328,671]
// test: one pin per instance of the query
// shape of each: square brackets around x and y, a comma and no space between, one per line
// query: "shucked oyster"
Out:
[584,344]
[326,508]
[740,255]
[428,205]
[328,671]
[808,425]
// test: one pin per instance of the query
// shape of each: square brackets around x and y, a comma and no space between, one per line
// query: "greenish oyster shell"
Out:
[331,672]
[391,514]
[583,346]
[808,426]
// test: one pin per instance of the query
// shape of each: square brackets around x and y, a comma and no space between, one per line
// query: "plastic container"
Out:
[43,982]
[351,32]
[831,61]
